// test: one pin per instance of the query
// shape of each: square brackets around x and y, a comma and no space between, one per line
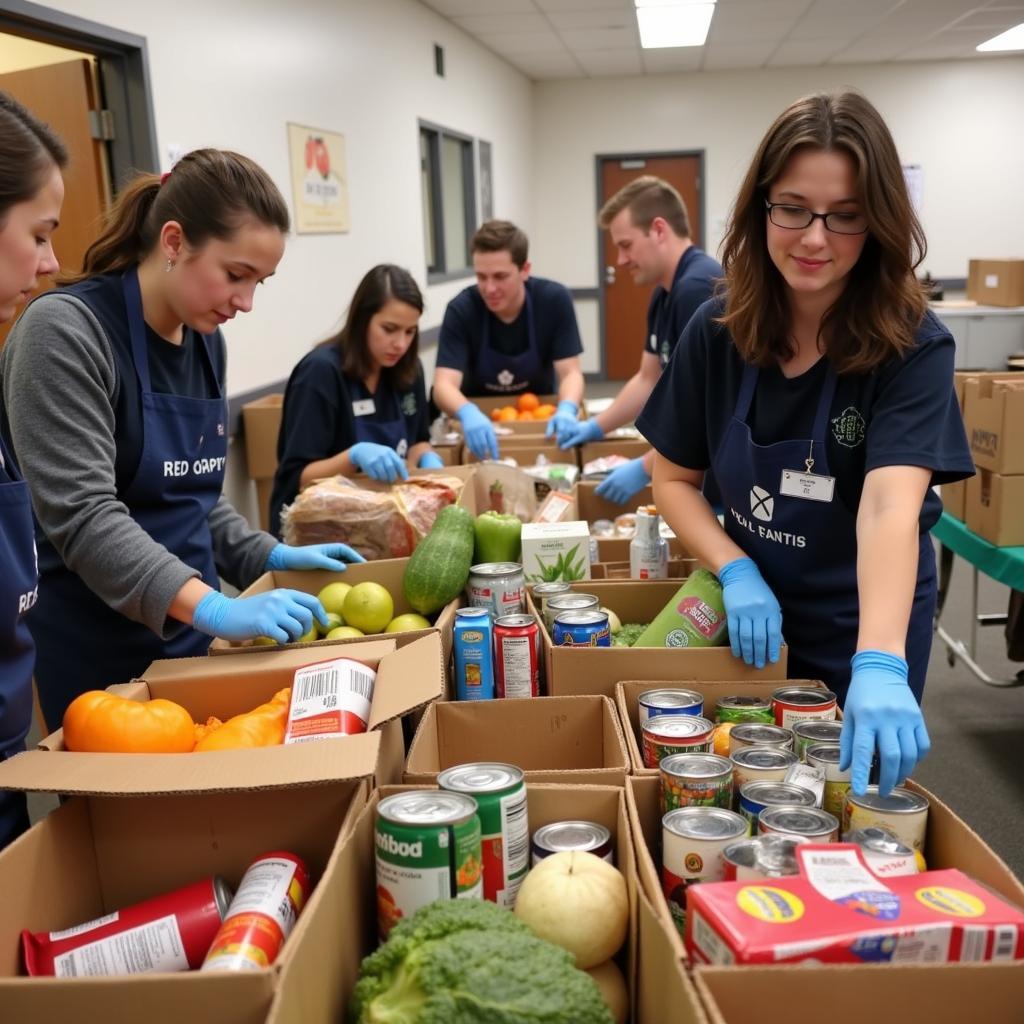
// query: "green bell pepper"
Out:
[497,537]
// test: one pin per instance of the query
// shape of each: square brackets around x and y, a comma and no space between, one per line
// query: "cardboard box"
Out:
[598,669]
[449,454]
[591,506]
[954,499]
[996,282]
[388,572]
[406,680]
[961,377]
[678,569]
[526,449]
[568,740]
[548,545]
[994,507]
[261,421]
[627,447]
[521,428]
[264,490]
[628,691]
[616,549]
[994,421]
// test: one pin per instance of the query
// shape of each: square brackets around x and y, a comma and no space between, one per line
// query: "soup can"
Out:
[744,709]
[837,783]
[571,601]
[669,701]
[813,731]
[884,854]
[793,704]
[759,764]
[674,734]
[581,629]
[498,586]
[695,780]
[754,797]
[809,824]
[756,734]
[761,857]
[902,813]
[559,836]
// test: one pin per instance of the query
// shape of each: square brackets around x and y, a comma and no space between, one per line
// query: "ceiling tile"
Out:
[937,52]
[672,60]
[870,51]
[750,56]
[802,52]
[541,66]
[457,8]
[584,5]
[924,16]
[490,24]
[508,44]
[593,19]
[601,39]
[611,62]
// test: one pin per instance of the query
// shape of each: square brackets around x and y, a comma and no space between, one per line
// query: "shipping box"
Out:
[996,282]
[598,669]
[261,420]
[526,449]
[518,428]
[591,506]
[627,447]
[568,740]
[678,569]
[994,420]
[994,507]
[954,499]
[616,549]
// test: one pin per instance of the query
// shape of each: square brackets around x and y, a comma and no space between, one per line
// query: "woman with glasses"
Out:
[818,388]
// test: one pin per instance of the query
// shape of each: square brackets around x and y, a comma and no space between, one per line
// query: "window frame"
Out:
[435,134]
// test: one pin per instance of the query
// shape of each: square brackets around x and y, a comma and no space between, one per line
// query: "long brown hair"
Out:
[378,286]
[29,150]
[875,317]
[209,193]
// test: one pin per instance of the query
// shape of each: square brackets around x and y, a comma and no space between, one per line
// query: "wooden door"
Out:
[625,303]
[62,95]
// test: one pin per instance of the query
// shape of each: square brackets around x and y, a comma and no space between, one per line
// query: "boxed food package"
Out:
[996,282]
[994,421]
[994,507]
[557,507]
[556,551]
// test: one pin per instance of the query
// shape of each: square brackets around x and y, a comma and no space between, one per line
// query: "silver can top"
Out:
[771,854]
[818,730]
[670,697]
[480,777]
[588,617]
[573,602]
[807,696]
[696,766]
[768,792]
[743,702]
[802,821]
[678,725]
[704,823]
[823,753]
[558,836]
[899,801]
[223,894]
[427,807]
[473,613]
[760,734]
[878,840]
[496,569]
[763,757]
[514,621]
[551,589]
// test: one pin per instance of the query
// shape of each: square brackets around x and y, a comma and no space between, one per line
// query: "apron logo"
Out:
[220,429]
[848,428]
[402,448]
[762,504]
[505,377]
[665,352]
[409,405]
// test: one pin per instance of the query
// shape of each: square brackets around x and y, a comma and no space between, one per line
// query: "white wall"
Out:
[961,120]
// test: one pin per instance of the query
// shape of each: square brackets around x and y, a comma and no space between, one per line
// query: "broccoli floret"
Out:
[470,962]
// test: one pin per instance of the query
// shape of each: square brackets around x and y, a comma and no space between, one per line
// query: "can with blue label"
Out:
[581,629]
[756,796]
[669,701]
[473,647]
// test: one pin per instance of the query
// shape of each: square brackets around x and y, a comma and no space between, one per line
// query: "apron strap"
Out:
[746,395]
[531,325]
[828,391]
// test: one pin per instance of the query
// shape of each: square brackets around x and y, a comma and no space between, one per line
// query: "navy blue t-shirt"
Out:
[669,311]
[317,421]
[462,331]
[903,414]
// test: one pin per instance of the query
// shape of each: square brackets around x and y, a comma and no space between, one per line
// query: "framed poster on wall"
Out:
[319,180]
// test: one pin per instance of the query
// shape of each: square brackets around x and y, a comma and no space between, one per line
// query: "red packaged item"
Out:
[167,933]
[330,698]
[838,911]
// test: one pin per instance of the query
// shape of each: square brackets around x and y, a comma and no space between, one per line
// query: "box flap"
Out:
[407,679]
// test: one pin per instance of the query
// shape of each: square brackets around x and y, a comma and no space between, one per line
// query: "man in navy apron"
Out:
[508,334]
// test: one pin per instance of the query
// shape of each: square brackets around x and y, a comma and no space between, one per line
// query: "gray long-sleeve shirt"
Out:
[60,383]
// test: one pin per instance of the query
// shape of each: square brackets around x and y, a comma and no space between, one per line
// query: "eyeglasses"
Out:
[797,218]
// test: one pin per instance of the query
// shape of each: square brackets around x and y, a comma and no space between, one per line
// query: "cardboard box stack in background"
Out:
[261,421]
[996,282]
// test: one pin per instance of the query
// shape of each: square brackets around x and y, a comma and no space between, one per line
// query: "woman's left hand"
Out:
[331,557]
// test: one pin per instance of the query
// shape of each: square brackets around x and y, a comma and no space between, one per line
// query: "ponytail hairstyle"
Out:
[29,150]
[209,193]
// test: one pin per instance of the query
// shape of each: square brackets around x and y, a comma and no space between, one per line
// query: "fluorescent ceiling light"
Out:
[677,24]
[1011,39]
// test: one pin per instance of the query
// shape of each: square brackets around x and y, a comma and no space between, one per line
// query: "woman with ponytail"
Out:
[113,388]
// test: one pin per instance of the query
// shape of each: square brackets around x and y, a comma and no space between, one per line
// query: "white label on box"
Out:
[991,280]
[838,873]
[710,943]
[927,945]
[330,698]
[786,950]
[78,929]
[156,946]
[973,942]
[1004,945]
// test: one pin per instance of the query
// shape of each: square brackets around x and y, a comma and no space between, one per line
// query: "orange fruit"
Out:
[528,402]
[721,738]
[525,415]
[495,415]
[507,414]
[543,412]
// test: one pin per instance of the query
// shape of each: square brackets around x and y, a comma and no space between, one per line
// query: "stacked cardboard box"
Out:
[261,421]
[996,282]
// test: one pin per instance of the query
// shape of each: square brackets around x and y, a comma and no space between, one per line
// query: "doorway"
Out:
[623,304]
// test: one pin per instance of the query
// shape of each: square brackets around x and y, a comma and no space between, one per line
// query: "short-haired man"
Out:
[507,334]
[650,228]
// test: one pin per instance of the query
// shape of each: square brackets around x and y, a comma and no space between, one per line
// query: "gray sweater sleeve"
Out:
[59,385]
[240,552]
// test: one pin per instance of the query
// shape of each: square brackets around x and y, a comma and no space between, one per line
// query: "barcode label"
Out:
[973,940]
[328,682]
[330,699]
[78,929]
[1005,945]
[709,943]
[515,833]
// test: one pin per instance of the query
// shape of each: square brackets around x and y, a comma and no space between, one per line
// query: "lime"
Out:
[344,633]
[332,597]
[334,621]
[368,606]
[308,638]
[406,623]
[264,641]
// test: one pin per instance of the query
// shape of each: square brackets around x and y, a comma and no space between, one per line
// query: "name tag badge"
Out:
[364,407]
[811,486]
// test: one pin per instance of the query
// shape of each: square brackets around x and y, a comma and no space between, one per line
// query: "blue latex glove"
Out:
[430,460]
[479,431]
[283,615]
[378,461]
[624,481]
[754,616]
[881,711]
[579,432]
[314,556]
[563,420]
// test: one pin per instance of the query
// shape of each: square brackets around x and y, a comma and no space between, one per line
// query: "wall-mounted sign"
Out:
[319,180]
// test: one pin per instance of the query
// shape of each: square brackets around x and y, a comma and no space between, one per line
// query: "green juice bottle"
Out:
[695,617]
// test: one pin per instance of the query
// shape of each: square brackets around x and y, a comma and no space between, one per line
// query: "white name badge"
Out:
[812,486]
[364,407]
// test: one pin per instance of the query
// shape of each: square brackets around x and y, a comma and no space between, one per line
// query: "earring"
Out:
[170,266]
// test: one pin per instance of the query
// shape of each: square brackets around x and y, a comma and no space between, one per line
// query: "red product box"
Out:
[837,911]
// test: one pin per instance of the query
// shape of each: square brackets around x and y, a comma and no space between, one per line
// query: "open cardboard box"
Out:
[994,421]
[590,506]
[568,740]
[616,549]
[103,851]
[407,679]
[627,447]
[388,572]
[519,428]
[628,692]
[526,449]
[584,670]
[678,569]
[261,421]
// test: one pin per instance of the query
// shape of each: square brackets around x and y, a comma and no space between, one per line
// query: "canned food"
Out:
[902,813]
[516,656]
[669,701]
[692,842]
[744,709]
[767,856]
[793,704]
[473,648]
[754,797]
[329,698]
[559,836]
[674,734]
[826,757]
[428,848]
[498,586]
[810,824]
[273,891]
[884,854]
[810,777]
[581,629]
[695,780]
[759,764]
[812,731]
[570,602]
[543,592]
[500,795]
[754,734]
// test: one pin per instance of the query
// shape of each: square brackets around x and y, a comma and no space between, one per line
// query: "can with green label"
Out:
[741,708]
[428,848]
[695,617]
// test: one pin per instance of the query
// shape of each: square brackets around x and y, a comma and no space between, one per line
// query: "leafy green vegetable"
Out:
[467,961]
[629,634]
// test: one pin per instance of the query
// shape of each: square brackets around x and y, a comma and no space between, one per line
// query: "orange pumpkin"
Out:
[262,727]
[528,401]
[101,722]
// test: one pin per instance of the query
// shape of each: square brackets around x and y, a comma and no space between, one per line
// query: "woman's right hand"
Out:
[378,461]
[282,615]
[755,618]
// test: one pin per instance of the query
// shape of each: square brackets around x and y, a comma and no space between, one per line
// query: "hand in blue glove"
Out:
[881,710]
[430,460]
[755,618]
[578,432]
[313,556]
[563,420]
[378,461]
[479,431]
[283,615]
[624,481]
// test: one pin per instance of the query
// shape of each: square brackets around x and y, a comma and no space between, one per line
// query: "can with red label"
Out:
[273,892]
[663,735]
[330,698]
[516,658]
[171,932]
[793,704]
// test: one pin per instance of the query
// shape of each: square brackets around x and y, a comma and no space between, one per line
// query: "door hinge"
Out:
[101,125]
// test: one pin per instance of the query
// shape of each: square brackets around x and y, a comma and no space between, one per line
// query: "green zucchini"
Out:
[439,567]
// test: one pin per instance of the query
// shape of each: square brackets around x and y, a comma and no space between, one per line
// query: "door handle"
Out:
[609,275]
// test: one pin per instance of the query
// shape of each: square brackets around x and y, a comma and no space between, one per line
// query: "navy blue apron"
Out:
[390,433]
[83,643]
[499,374]
[807,550]
[18,594]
